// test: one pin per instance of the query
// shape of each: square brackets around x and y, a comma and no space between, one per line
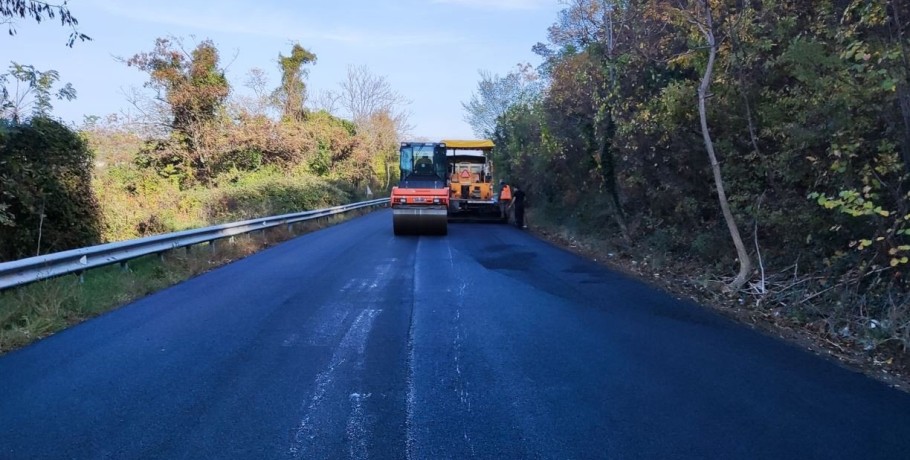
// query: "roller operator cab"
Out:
[420,201]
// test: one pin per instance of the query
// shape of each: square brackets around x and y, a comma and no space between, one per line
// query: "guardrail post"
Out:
[212,245]
[125,266]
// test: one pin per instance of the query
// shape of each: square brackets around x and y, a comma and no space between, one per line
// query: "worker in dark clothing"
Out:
[518,206]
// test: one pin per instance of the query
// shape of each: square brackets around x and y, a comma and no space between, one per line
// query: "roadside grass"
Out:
[37,310]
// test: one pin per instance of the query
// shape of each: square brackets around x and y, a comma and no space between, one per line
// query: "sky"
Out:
[429,51]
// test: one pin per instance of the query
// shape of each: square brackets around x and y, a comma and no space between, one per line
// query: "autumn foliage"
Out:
[189,155]
[809,111]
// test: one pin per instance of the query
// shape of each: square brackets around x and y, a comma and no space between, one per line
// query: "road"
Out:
[488,343]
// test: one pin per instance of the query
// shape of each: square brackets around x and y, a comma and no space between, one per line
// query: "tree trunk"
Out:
[745,264]
[608,168]
[605,129]
[903,88]
[903,99]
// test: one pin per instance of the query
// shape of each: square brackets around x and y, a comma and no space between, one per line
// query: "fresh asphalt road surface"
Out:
[487,343]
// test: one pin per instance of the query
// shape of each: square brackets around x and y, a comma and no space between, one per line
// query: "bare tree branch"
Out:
[364,95]
[39,11]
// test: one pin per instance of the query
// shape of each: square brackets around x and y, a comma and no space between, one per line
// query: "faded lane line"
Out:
[460,383]
[450,375]
[328,323]
[410,445]
[357,428]
[351,347]
[331,316]
[409,414]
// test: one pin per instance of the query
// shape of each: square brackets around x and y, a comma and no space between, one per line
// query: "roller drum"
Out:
[420,221]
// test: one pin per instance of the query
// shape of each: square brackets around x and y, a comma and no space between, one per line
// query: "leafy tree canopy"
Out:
[10,10]
[495,94]
[291,95]
[33,91]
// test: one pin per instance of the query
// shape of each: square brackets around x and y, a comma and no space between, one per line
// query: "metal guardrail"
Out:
[24,271]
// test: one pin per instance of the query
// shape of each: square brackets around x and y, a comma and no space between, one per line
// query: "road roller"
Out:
[420,202]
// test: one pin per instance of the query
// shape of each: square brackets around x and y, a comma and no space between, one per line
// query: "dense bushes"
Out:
[809,111]
[220,159]
[140,202]
[45,190]
[195,157]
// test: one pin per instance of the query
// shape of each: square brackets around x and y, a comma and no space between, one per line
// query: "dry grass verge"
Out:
[40,309]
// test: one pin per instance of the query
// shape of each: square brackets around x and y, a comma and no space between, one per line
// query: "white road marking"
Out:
[410,429]
[461,385]
[382,273]
[327,323]
[410,445]
[454,329]
[351,347]
[349,285]
[357,428]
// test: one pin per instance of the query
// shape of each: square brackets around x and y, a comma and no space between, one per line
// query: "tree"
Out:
[190,89]
[379,114]
[586,31]
[364,95]
[47,203]
[10,10]
[381,136]
[325,100]
[32,89]
[190,84]
[495,94]
[259,103]
[291,95]
[790,100]
[28,171]
[699,13]
[520,153]
[745,264]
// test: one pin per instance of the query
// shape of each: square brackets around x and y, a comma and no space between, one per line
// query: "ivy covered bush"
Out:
[46,199]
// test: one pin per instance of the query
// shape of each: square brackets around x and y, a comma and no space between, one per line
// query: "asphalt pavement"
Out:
[350,342]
